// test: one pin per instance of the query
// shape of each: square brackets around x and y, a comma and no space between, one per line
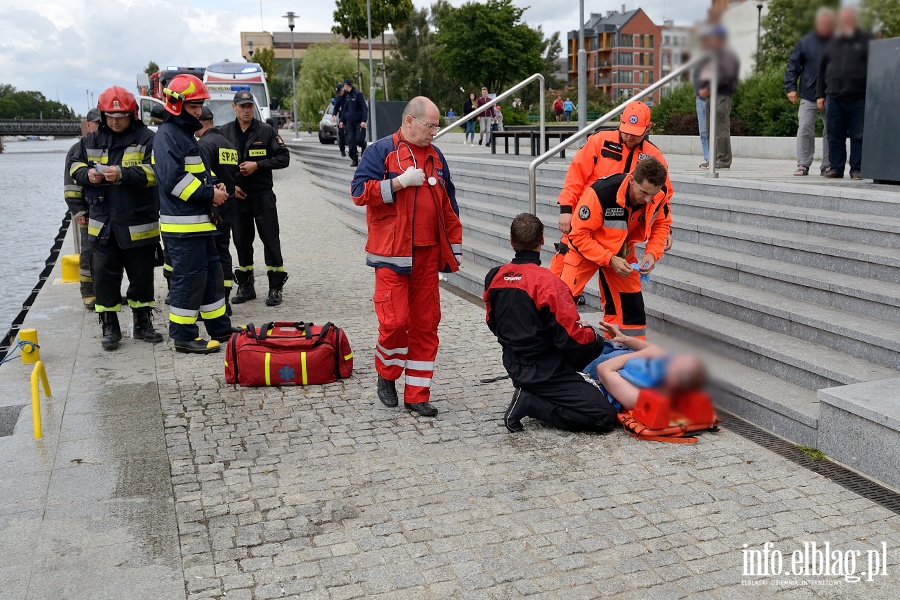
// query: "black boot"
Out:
[223,338]
[143,326]
[354,162]
[197,346]
[112,335]
[228,301]
[517,409]
[246,291]
[423,408]
[167,274]
[387,392]
[276,283]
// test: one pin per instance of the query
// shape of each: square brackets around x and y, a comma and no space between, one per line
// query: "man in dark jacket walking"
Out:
[354,116]
[545,345]
[841,92]
[803,66]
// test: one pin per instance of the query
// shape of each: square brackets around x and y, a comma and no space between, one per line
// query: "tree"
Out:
[487,43]
[16,104]
[265,58]
[881,16]
[413,59]
[151,68]
[350,21]
[323,67]
[785,23]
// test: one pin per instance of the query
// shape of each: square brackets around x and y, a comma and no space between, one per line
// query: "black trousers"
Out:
[569,402]
[84,263]
[257,212]
[109,262]
[342,139]
[223,247]
[197,290]
[356,136]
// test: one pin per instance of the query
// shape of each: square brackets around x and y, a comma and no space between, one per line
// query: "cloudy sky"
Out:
[65,47]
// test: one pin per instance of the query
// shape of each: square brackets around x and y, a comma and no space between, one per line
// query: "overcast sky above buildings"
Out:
[65,47]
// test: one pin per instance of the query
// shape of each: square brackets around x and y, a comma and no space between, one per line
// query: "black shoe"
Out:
[276,284]
[246,291]
[143,326]
[723,166]
[223,338]
[856,175]
[343,153]
[387,392]
[832,174]
[479,142]
[112,335]
[512,418]
[425,409]
[197,346]
[354,162]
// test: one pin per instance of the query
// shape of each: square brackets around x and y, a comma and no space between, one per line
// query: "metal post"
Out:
[543,129]
[759,7]
[371,124]
[290,18]
[582,71]
[711,111]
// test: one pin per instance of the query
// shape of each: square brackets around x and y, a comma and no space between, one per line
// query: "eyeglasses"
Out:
[427,126]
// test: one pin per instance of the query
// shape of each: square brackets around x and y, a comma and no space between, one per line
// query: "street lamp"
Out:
[290,17]
[759,7]
[582,71]
[250,49]
[371,123]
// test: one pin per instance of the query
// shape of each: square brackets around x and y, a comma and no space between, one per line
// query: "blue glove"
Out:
[644,276]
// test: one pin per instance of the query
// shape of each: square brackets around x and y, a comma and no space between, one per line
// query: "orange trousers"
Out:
[621,298]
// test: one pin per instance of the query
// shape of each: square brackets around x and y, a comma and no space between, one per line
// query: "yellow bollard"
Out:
[38,374]
[71,272]
[31,351]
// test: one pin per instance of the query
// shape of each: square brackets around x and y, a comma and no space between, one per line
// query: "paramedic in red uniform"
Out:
[545,346]
[606,153]
[614,214]
[414,234]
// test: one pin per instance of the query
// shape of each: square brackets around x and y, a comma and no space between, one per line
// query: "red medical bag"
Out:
[288,354]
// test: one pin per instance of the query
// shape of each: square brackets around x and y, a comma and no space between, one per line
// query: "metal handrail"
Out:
[496,100]
[532,168]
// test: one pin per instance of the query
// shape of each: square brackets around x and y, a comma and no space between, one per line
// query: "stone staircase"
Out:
[785,290]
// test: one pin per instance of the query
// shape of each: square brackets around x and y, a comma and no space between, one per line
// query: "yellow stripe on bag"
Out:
[349,356]
[303,368]
[268,375]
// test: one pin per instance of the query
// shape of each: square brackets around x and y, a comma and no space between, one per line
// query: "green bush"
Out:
[676,113]
[514,116]
[760,102]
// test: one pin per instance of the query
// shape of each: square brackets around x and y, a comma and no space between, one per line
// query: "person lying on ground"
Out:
[629,366]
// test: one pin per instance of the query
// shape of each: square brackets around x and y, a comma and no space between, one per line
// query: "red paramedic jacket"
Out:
[391,216]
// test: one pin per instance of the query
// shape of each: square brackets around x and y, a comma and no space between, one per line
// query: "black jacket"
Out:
[468,107]
[72,192]
[533,315]
[185,183]
[261,143]
[353,107]
[803,64]
[129,209]
[222,158]
[842,72]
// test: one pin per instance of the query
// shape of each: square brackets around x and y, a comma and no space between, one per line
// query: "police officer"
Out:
[545,346]
[354,117]
[336,115]
[260,151]
[222,156]
[188,192]
[113,166]
[78,208]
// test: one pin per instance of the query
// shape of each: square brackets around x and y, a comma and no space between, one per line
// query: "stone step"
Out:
[799,361]
[859,260]
[862,229]
[857,295]
[870,339]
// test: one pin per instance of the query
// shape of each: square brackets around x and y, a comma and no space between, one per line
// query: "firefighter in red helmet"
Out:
[113,165]
[189,195]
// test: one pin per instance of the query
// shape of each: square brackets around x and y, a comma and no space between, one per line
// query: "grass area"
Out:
[811,453]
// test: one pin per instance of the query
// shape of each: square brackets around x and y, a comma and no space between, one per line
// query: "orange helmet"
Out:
[184,88]
[117,99]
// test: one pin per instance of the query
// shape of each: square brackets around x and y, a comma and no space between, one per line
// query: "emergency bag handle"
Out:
[303,327]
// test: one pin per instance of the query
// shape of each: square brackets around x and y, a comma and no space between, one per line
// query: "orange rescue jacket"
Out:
[602,226]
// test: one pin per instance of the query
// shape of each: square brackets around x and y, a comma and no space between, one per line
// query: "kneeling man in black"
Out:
[545,346]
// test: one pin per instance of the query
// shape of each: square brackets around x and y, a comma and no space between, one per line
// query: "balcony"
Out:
[603,80]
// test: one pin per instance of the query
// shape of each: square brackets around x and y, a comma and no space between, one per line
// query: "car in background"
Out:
[151,110]
[220,105]
[328,129]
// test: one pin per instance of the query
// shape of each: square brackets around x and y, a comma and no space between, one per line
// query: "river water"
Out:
[31,194]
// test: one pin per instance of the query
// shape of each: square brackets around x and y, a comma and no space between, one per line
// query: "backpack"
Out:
[656,418]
